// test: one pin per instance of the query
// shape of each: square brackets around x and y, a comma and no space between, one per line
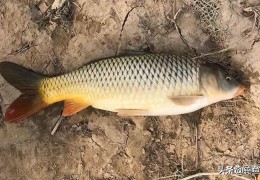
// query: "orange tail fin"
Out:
[27,82]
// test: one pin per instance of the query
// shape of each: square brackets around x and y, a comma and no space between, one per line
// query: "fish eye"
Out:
[228,78]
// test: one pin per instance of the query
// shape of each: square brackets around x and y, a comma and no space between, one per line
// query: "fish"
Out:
[130,85]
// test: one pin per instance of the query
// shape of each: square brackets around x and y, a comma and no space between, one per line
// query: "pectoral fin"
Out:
[131,112]
[185,100]
[73,106]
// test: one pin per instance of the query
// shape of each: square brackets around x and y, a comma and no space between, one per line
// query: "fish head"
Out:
[218,83]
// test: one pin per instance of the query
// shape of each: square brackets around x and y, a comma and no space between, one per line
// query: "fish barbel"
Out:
[137,85]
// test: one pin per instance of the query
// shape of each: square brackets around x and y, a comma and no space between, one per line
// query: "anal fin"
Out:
[131,112]
[72,106]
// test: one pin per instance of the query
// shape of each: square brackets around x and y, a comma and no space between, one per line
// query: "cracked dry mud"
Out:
[95,144]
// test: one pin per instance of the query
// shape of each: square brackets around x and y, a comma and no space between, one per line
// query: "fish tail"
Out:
[27,82]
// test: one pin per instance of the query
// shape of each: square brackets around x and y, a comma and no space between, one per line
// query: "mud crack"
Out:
[123,25]
[97,144]
[178,29]
[125,19]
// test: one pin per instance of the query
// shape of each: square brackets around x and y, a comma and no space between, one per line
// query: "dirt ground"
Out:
[95,144]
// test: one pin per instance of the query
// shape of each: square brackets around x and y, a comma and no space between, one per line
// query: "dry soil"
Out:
[95,144]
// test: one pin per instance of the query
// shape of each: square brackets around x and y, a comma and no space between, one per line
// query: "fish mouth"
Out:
[240,90]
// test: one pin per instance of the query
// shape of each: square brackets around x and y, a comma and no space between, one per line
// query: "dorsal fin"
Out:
[72,106]
[133,53]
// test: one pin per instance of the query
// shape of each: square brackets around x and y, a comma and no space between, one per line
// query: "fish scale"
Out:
[126,81]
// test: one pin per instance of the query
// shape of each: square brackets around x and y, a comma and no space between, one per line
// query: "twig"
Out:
[203,174]
[212,53]
[56,126]
[77,5]
[212,174]
[182,162]
[197,147]
[167,177]
[23,48]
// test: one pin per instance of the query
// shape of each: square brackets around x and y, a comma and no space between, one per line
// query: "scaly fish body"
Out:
[146,84]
